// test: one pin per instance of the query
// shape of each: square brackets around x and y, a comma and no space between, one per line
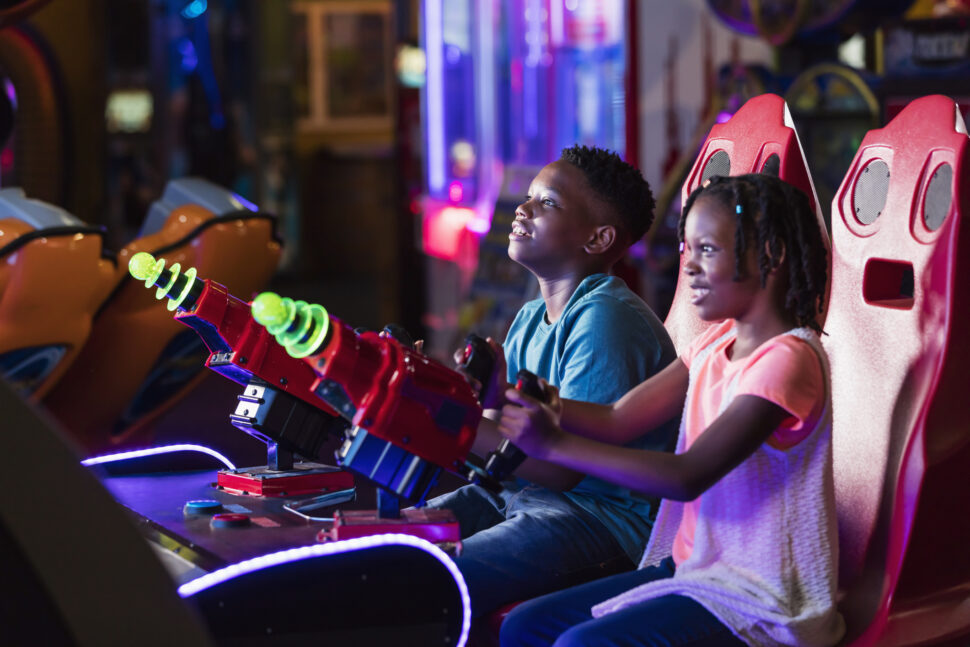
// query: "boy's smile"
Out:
[518,231]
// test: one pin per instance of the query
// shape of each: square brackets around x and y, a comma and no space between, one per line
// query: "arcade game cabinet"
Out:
[54,275]
[138,362]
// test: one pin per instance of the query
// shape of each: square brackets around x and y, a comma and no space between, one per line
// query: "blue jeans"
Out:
[563,619]
[528,542]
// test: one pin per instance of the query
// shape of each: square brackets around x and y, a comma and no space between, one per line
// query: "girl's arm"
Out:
[642,409]
[549,475]
[744,425]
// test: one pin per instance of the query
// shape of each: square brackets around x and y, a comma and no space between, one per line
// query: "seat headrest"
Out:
[192,190]
[14,203]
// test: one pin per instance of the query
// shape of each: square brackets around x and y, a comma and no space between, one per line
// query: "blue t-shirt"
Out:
[606,342]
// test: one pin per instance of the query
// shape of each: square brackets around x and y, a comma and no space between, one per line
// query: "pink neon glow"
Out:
[456,192]
[154,451]
[478,225]
[215,578]
[444,230]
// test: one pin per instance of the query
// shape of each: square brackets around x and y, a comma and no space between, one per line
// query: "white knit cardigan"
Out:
[764,560]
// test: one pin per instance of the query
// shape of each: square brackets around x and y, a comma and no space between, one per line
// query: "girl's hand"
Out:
[530,425]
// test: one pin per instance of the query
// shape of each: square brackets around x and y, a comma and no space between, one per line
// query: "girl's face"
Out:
[709,264]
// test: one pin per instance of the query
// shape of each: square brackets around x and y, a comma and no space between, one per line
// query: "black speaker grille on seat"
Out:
[939,196]
[870,191]
[772,165]
[717,164]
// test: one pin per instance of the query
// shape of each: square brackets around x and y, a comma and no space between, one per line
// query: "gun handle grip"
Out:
[478,362]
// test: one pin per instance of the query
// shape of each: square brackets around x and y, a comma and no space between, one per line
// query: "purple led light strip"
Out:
[335,548]
[153,451]
[434,91]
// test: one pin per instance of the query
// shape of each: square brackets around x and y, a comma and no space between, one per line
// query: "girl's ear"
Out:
[601,239]
[778,258]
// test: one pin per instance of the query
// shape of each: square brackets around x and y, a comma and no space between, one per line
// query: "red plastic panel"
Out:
[762,128]
[303,479]
[401,396]
[902,434]
[436,526]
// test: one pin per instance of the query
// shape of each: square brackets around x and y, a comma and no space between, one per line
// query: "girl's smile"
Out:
[697,293]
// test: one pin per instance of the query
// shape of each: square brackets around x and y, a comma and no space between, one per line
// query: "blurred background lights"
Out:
[463,158]
[411,66]
[194,9]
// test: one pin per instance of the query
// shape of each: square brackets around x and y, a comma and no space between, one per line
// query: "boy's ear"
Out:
[601,239]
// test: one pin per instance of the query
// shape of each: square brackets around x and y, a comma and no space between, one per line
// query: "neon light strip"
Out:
[243,202]
[215,578]
[153,451]
[434,50]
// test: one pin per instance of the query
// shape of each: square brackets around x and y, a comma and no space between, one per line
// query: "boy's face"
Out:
[554,224]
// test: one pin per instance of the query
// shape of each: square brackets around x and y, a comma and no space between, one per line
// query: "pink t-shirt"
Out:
[783,370]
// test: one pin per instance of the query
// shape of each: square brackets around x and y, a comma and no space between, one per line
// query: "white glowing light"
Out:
[154,451]
[215,578]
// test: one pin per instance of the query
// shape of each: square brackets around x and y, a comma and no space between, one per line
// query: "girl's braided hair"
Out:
[781,220]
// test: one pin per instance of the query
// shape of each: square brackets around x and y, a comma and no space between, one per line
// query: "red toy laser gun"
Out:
[412,416]
[277,405]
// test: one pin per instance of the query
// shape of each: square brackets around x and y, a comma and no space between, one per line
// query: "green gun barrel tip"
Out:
[140,266]
[268,309]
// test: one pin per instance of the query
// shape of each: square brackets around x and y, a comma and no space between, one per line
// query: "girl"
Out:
[744,550]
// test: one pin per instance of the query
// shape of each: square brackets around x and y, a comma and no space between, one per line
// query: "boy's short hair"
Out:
[617,183]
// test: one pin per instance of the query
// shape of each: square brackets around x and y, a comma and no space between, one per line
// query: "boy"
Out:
[592,337]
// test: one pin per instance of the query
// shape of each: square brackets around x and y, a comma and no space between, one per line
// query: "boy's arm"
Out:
[732,437]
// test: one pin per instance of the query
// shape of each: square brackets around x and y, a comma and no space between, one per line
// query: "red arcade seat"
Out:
[53,276]
[139,360]
[759,138]
[896,339]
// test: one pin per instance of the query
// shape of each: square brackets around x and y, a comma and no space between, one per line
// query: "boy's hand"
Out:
[530,425]
[495,391]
